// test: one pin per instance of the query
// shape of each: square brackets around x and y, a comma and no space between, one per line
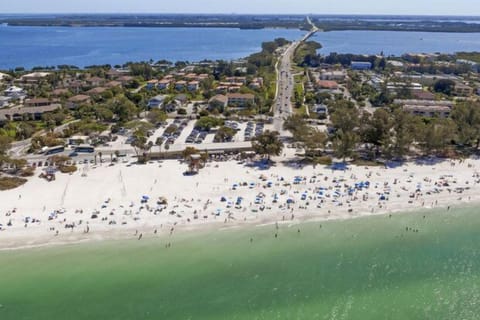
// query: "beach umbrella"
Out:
[223,199]
[290,201]
[145,197]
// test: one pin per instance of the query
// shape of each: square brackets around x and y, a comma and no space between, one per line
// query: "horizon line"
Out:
[246,13]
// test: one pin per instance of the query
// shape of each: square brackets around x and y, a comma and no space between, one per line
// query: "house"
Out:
[182,99]
[193,86]
[191,76]
[95,81]
[240,99]
[180,85]
[151,84]
[33,78]
[336,75]
[15,92]
[78,100]
[96,91]
[31,113]
[360,65]
[76,86]
[219,100]
[156,102]
[39,102]
[327,84]
[462,90]
[125,80]
[164,84]
[113,84]
[60,92]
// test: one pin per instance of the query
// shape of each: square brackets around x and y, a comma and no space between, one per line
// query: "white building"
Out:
[15,92]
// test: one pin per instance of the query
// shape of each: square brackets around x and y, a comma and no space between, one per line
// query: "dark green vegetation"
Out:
[268,144]
[390,133]
[359,269]
[324,22]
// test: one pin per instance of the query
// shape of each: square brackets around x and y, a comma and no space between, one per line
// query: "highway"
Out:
[285,82]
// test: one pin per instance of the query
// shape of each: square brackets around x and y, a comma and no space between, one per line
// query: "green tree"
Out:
[467,119]
[436,136]
[377,129]
[445,86]
[156,116]
[344,144]
[268,144]
[5,144]
[207,123]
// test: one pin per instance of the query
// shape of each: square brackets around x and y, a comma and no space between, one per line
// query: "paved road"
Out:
[285,82]
[20,148]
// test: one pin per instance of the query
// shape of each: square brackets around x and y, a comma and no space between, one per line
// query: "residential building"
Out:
[164,84]
[60,92]
[327,84]
[15,92]
[156,102]
[462,90]
[240,99]
[428,111]
[5,101]
[218,100]
[360,65]
[193,86]
[31,113]
[33,78]
[475,66]
[336,75]
[415,102]
[94,81]
[427,79]
[242,80]
[78,100]
[125,80]
[180,85]
[113,74]
[423,95]
[396,87]
[151,84]
[39,102]
[113,84]
[96,91]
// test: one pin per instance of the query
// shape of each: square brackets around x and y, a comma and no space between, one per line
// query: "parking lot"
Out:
[178,134]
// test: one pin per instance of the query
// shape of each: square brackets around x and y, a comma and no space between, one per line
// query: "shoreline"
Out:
[198,230]
[209,200]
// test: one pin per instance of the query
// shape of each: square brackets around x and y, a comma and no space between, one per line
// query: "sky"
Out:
[403,7]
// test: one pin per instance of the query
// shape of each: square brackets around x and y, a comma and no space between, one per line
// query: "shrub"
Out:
[7,183]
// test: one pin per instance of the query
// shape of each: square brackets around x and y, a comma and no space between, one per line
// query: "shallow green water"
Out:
[368,268]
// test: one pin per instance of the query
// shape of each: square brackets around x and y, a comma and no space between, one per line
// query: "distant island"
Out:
[324,22]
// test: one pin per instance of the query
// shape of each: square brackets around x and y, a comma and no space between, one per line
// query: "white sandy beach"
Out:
[37,213]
